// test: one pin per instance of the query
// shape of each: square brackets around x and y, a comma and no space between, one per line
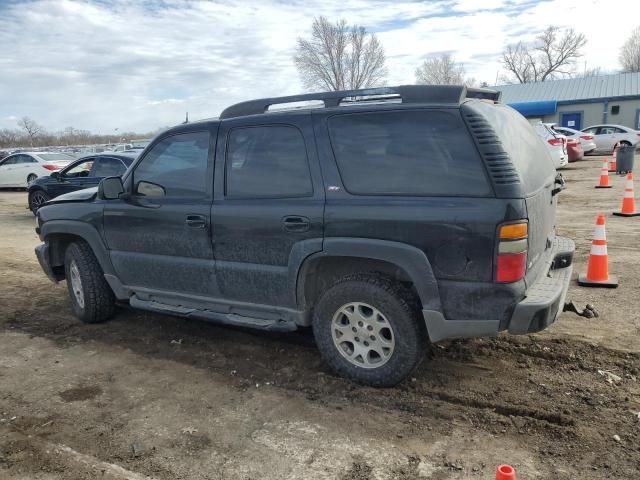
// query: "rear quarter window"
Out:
[407,152]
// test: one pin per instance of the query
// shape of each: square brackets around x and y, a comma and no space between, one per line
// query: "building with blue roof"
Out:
[579,102]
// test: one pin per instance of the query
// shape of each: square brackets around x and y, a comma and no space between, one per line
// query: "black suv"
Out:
[383,218]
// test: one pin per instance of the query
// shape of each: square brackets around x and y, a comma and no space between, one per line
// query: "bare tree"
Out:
[553,54]
[340,57]
[442,70]
[630,52]
[31,128]
[9,137]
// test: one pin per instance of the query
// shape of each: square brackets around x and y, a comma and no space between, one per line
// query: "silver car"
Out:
[586,139]
[607,136]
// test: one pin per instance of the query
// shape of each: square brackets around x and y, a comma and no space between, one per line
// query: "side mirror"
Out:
[110,188]
[150,189]
[55,174]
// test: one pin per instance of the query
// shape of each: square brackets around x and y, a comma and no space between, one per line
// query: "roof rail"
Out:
[407,93]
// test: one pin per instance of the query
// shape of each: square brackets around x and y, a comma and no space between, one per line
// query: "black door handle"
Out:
[196,221]
[296,224]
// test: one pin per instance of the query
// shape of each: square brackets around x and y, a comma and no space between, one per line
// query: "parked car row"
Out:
[577,143]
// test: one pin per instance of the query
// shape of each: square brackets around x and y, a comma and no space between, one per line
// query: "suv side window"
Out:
[178,164]
[407,152]
[267,162]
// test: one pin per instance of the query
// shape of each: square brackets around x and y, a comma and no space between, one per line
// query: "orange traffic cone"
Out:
[505,472]
[598,267]
[604,175]
[628,201]
[613,164]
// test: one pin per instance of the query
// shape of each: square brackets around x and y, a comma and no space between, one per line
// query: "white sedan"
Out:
[556,143]
[20,169]
[607,136]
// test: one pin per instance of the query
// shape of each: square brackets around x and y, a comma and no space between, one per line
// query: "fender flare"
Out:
[85,231]
[410,259]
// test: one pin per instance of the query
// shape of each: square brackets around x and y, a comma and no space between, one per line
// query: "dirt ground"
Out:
[150,396]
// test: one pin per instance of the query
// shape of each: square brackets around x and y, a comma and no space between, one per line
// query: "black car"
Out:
[85,172]
[387,219]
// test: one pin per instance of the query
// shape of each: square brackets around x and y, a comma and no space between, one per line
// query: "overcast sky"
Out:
[139,65]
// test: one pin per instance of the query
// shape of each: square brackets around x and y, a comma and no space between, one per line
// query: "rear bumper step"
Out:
[545,299]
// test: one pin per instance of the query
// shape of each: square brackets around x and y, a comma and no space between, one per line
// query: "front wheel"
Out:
[367,329]
[36,199]
[92,299]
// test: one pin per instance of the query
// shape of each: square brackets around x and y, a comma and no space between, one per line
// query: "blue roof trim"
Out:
[528,109]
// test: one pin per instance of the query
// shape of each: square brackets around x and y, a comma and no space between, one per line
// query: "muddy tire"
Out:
[36,199]
[91,297]
[367,329]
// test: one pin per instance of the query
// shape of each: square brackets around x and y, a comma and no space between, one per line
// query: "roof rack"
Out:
[406,93]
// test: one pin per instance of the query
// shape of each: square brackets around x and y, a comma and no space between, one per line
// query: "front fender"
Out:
[86,231]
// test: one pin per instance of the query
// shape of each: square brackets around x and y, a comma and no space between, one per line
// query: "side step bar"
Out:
[273,325]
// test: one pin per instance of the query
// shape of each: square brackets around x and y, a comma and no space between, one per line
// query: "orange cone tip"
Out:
[505,472]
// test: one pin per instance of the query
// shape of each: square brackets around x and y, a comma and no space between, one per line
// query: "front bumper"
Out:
[544,300]
[42,252]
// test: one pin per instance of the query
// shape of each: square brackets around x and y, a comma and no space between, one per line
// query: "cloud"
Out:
[141,65]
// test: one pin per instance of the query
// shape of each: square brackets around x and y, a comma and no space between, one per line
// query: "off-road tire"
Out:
[399,307]
[99,301]
[32,194]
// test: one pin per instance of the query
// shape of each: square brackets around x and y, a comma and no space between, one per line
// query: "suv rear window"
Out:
[408,152]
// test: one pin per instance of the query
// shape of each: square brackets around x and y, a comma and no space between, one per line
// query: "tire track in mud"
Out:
[546,388]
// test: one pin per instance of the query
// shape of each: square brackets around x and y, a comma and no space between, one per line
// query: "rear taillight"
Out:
[50,167]
[555,141]
[511,259]
[586,137]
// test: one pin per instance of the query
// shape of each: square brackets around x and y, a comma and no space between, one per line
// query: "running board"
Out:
[277,325]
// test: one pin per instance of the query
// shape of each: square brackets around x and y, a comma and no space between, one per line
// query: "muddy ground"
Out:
[150,396]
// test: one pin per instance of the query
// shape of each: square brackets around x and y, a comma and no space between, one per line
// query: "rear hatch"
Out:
[535,182]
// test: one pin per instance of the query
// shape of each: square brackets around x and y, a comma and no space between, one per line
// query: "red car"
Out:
[574,149]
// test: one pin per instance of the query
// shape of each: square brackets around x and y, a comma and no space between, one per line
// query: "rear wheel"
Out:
[31,178]
[91,297]
[36,199]
[367,329]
